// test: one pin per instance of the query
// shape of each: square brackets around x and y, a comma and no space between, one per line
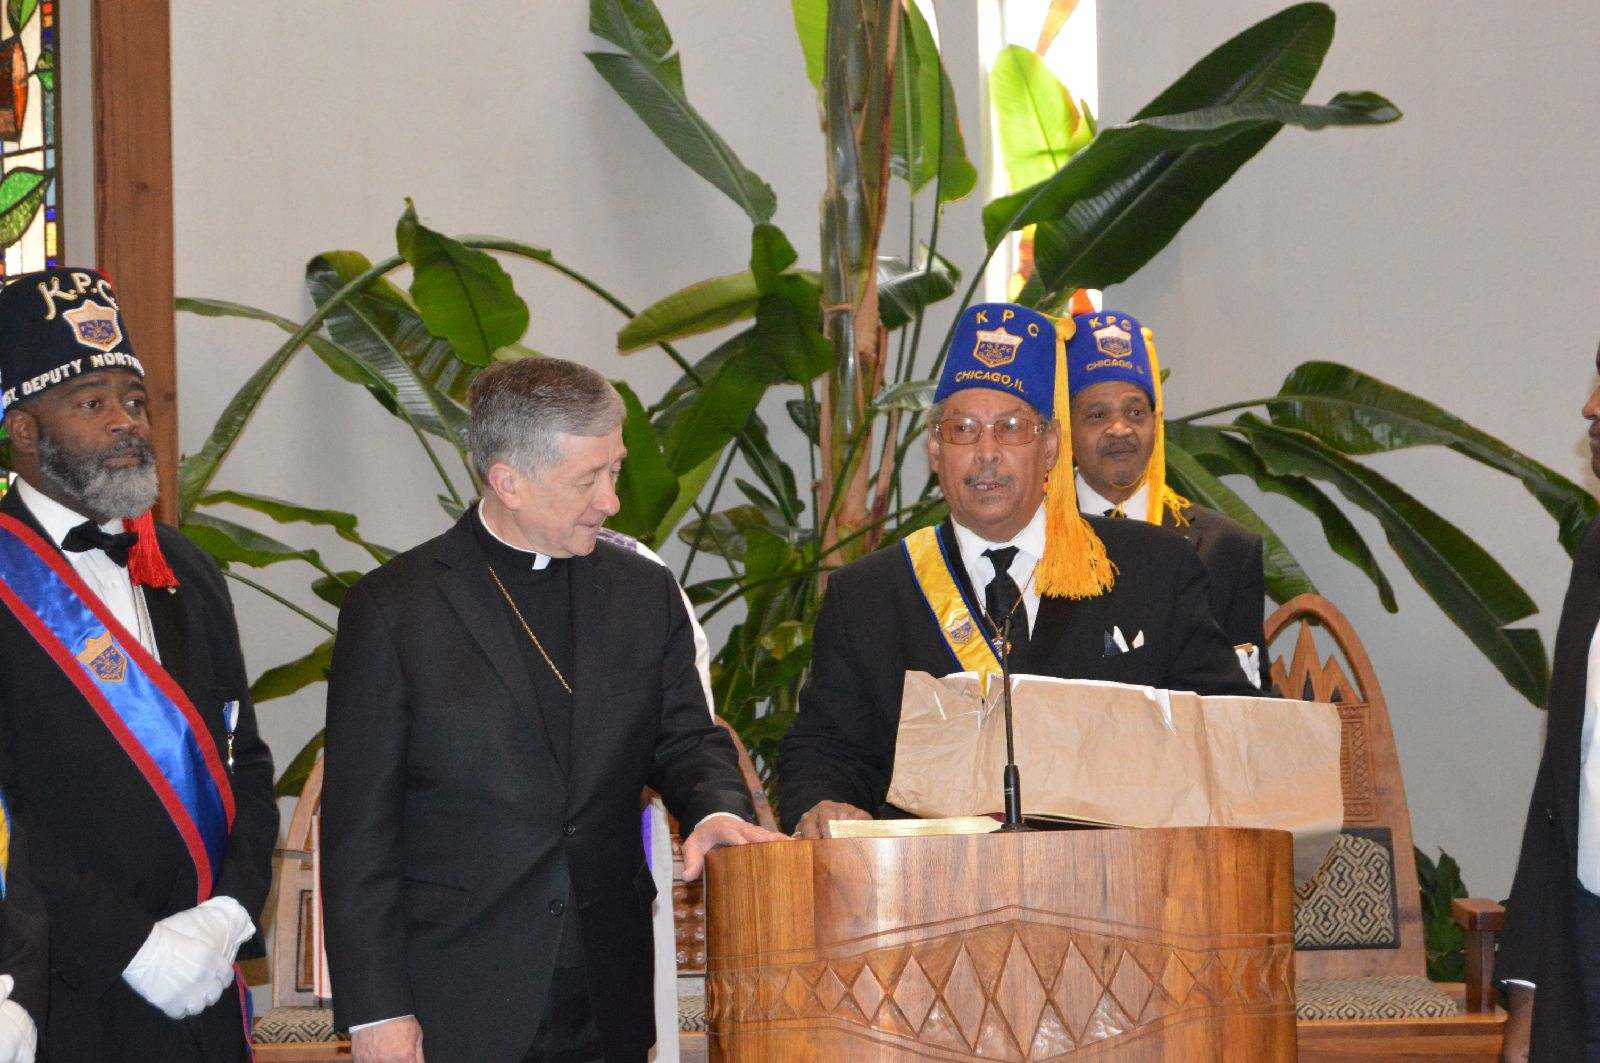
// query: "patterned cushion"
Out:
[1390,997]
[295,1026]
[1350,903]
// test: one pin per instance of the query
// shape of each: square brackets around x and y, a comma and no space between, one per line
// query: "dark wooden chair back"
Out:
[1369,766]
[293,941]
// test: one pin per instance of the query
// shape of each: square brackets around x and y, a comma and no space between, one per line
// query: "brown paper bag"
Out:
[1123,755]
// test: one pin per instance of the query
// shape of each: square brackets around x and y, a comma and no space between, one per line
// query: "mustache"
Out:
[990,476]
[138,448]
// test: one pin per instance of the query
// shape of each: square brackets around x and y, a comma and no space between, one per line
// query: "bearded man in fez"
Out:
[1119,443]
[129,755]
[499,697]
[1087,597]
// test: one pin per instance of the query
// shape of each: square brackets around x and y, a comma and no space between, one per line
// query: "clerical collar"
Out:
[511,556]
[1093,503]
[56,520]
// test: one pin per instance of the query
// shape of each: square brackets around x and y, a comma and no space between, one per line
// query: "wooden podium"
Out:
[1125,944]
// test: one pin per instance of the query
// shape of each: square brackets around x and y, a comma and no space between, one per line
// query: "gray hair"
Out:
[520,410]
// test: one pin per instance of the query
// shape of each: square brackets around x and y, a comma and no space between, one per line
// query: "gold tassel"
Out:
[1155,475]
[1075,564]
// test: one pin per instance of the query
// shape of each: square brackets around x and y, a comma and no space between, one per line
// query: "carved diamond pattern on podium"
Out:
[1019,989]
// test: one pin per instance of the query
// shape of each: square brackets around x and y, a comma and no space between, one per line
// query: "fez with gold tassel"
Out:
[1021,352]
[1108,345]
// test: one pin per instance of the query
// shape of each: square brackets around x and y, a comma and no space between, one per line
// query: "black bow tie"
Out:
[88,536]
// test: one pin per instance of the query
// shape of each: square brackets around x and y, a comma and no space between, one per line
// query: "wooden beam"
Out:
[131,42]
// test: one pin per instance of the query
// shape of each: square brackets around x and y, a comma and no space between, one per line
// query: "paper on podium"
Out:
[911,828]
[1125,755]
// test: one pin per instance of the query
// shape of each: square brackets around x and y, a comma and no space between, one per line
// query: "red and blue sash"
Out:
[145,710]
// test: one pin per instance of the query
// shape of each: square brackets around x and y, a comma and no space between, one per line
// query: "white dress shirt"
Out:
[107,579]
[1589,777]
[980,570]
[1095,504]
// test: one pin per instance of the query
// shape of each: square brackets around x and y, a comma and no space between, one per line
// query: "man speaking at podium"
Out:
[1087,597]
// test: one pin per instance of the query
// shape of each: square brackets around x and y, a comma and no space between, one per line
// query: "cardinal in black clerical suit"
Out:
[499,697]
[1086,597]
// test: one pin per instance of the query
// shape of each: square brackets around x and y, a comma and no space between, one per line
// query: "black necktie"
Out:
[88,536]
[1002,596]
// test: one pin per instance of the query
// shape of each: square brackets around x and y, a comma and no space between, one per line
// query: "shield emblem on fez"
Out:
[101,656]
[95,325]
[996,347]
[1113,341]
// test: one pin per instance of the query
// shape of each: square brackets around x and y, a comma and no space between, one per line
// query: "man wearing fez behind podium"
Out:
[1087,597]
[1119,443]
[129,756]
[499,697]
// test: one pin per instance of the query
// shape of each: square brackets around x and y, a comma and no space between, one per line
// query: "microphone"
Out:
[1012,778]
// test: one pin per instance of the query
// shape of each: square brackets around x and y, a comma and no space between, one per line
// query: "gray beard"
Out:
[102,494]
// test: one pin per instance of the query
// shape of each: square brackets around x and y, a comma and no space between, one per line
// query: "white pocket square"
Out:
[1117,643]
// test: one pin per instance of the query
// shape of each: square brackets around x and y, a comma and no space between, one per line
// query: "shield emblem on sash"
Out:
[102,657]
[959,626]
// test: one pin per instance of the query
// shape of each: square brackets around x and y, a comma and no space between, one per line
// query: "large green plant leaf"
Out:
[1122,199]
[926,140]
[343,524]
[923,137]
[701,307]
[1284,577]
[382,329]
[286,679]
[690,484]
[905,288]
[294,777]
[649,78]
[1224,455]
[1360,414]
[718,411]
[231,543]
[344,364]
[21,195]
[1466,582]
[648,487]
[463,294]
[1037,124]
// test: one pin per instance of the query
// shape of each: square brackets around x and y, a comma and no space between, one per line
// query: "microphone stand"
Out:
[1013,778]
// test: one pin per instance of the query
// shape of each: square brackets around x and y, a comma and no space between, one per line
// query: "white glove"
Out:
[18,1038]
[187,961]
[220,922]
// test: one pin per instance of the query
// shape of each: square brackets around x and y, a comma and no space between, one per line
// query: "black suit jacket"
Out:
[454,846]
[1538,944]
[102,850]
[1232,556]
[874,626]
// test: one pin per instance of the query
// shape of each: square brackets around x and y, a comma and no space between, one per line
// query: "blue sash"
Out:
[145,710]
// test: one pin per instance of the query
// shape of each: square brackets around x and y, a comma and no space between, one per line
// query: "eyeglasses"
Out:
[964,431]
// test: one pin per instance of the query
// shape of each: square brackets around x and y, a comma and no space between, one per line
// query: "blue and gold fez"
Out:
[1005,348]
[56,325]
[1018,351]
[1109,345]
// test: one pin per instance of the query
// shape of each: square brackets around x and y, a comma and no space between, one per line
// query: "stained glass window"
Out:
[30,122]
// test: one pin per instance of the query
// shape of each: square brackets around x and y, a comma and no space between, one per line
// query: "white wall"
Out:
[1452,254]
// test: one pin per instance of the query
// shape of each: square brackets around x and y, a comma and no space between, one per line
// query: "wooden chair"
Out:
[689,918]
[299,1028]
[1362,989]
